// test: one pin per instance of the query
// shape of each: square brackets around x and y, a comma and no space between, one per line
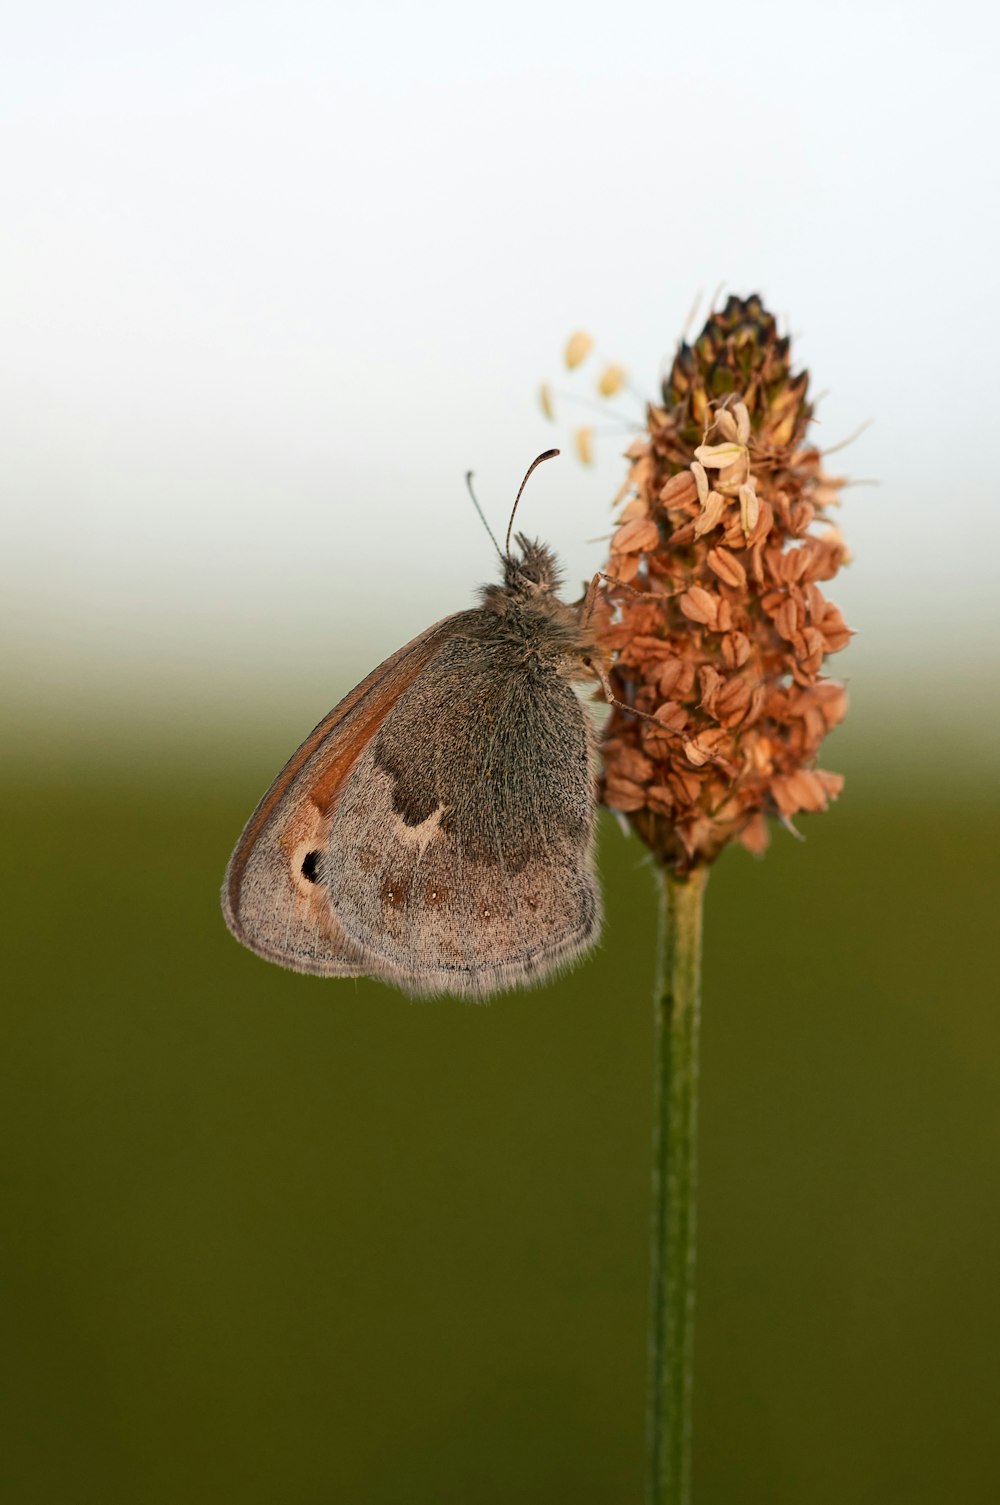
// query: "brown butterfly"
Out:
[436,831]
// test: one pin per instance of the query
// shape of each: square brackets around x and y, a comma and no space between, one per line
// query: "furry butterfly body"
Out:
[437,829]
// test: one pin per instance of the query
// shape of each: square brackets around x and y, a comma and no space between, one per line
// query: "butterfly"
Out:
[436,831]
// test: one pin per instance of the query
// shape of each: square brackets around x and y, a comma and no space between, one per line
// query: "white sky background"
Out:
[272,277]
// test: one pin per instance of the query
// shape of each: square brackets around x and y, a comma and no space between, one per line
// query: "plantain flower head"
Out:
[719,625]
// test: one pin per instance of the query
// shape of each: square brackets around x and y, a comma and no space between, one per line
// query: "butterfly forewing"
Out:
[269,898]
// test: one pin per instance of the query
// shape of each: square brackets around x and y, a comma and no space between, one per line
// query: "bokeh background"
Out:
[272,279]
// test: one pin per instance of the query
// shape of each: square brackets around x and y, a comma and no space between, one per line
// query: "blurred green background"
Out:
[271,1238]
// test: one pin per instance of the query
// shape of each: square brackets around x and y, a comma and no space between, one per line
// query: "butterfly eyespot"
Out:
[311,866]
[436,895]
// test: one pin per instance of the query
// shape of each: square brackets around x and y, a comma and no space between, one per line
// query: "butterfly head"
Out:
[530,569]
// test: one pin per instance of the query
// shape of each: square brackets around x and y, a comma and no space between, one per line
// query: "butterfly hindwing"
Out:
[459,852]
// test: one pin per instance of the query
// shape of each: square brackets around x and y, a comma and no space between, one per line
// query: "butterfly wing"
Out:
[459,855]
[269,901]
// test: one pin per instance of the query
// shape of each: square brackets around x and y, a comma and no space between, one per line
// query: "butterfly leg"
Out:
[612,699]
[590,599]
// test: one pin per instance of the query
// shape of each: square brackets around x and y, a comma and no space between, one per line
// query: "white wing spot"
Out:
[418,836]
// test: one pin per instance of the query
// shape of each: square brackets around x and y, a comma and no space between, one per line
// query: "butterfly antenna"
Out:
[549,454]
[482,514]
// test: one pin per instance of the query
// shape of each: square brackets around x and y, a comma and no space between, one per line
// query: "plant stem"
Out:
[677,1005]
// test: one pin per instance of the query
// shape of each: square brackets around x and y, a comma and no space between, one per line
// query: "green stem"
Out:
[671,1317]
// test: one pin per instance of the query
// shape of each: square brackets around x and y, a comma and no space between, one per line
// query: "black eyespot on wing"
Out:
[311,866]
